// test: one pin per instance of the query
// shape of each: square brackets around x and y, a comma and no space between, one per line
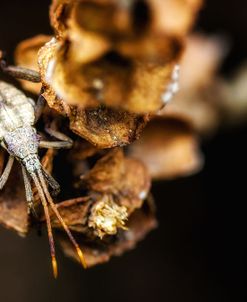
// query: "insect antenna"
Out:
[48,223]
[64,225]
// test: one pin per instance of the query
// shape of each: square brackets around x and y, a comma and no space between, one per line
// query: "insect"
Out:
[19,138]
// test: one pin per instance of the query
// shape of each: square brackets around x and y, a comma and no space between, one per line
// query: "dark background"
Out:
[198,253]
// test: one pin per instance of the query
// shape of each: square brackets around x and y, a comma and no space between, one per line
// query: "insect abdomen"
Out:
[15,109]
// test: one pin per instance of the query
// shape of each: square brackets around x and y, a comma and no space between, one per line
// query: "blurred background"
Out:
[198,253]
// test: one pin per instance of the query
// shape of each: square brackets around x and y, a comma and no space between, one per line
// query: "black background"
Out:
[198,253]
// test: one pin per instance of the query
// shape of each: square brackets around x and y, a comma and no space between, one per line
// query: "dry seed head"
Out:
[106,217]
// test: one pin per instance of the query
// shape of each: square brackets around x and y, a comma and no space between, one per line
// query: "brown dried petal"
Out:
[75,214]
[57,13]
[105,127]
[106,174]
[113,80]
[198,107]
[233,103]
[26,56]
[206,52]
[175,17]
[125,178]
[198,98]
[135,186]
[122,18]
[169,149]
[112,62]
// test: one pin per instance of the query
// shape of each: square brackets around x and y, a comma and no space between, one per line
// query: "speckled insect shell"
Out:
[16,109]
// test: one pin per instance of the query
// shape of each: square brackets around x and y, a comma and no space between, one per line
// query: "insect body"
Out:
[19,137]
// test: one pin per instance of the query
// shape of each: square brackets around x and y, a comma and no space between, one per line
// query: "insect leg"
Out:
[4,177]
[60,136]
[55,145]
[39,107]
[20,72]
[64,140]
[28,190]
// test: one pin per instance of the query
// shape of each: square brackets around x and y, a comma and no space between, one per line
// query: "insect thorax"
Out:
[23,144]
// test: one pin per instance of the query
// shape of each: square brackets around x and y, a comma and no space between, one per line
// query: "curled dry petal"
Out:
[201,60]
[126,179]
[114,80]
[75,214]
[169,148]
[124,18]
[199,97]
[105,127]
[110,52]
[26,56]
[175,17]
[106,174]
[233,103]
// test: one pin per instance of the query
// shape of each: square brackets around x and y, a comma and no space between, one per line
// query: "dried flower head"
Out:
[121,50]
[106,217]
[97,251]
